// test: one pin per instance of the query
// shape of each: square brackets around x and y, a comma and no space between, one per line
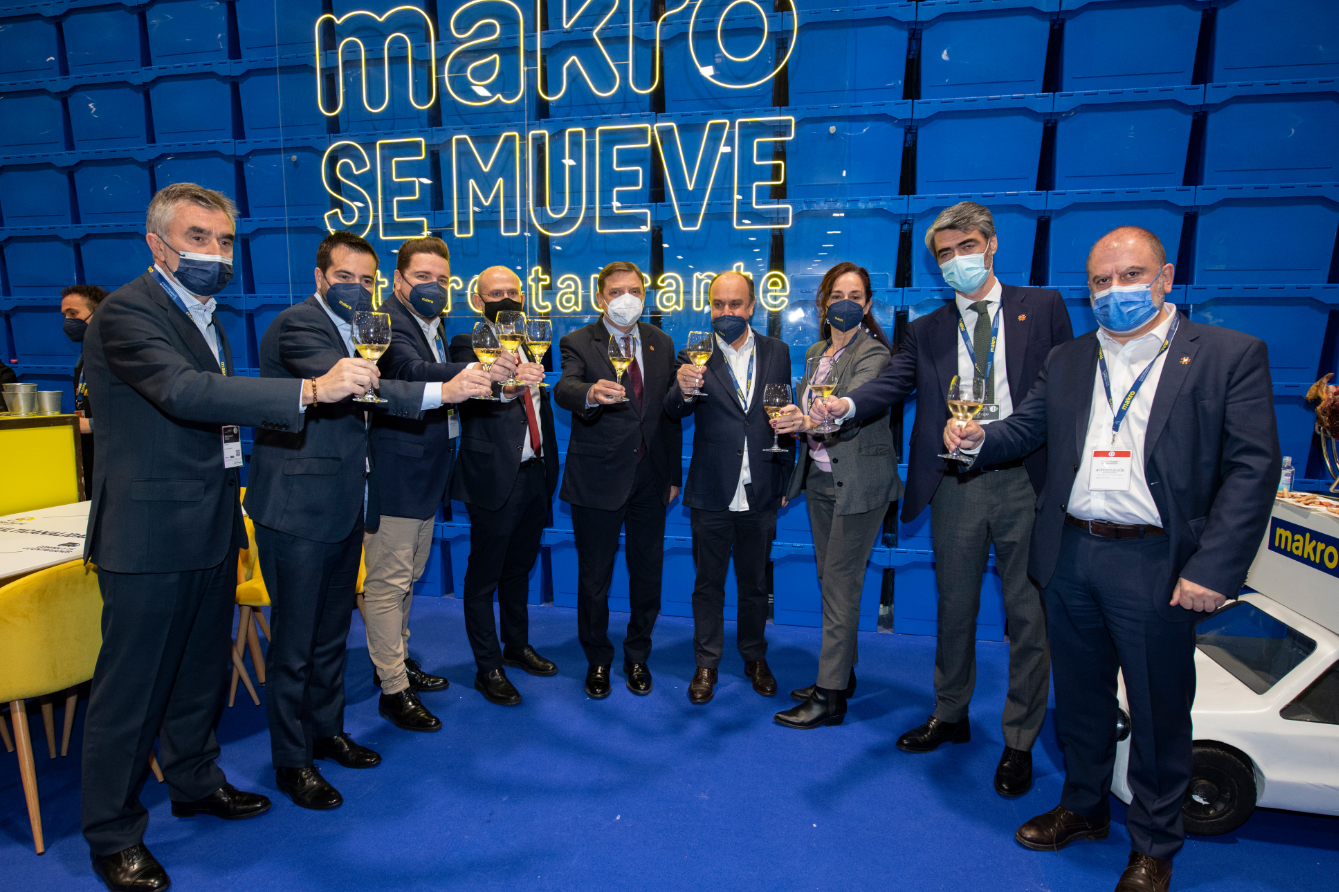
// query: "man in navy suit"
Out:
[1001,333]
[735,485]
[1163,460]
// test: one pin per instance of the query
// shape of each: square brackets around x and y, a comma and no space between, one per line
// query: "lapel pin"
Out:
[1022,317]
[650,347]
[1185,360]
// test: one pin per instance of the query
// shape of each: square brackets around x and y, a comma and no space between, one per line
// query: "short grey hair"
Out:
[163,207]
[965,216]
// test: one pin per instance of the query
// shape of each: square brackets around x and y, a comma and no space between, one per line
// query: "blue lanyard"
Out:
[1118,416]
[743,394]
[176,299]
[994,339]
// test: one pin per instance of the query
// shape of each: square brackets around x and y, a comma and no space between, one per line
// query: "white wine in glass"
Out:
[511,334]
[538,339]
[620,360]
[371,335]
[486,347]
[821,387]
[700,344]
[775,398]
[965,399]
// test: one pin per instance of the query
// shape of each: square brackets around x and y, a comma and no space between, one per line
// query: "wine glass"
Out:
[821,386]
[621,360]
[700,345]
[775,397]
[371,335]
[965,399]
[485,343]
[510,333]
[538,339]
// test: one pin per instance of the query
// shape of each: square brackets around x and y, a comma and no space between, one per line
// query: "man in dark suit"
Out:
[735,484]
[412,479]
[624,467]
[308,495]
[1001,333]
[1163,459]
[165,527]
[77,303]
[508,472]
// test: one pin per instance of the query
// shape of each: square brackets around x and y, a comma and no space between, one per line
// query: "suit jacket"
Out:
[863,453]
[310,482]
[492,438]
[721,423]
[162,500]
[602,451]
[1211,452]
[1035,321]
[415,456]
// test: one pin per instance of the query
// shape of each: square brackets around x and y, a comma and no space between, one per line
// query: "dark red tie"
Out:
[634,370]
[532,422]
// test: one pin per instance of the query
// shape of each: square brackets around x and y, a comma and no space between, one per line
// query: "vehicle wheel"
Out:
[1221,795]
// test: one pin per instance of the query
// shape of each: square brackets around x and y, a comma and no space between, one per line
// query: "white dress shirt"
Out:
[738,361]
[201,313]
[966,368]
[432,391]
[1124,364]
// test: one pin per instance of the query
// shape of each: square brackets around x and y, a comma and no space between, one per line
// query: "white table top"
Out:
[35,540]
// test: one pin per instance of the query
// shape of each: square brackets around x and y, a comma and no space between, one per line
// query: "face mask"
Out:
[201,274]
[74,329]
[845,315]
[1122,309]
[493,307]
[347,298]
[730,328]
[624,309]
[965,273]
[428,299]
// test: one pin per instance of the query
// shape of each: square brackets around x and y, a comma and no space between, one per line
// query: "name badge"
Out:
[989,412]
[232,446]
[452,424]
[1110,471]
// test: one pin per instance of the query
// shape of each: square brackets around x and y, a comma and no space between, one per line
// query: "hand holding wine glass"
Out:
[700,345]
[371,335]
[538,339]
[621,359]
[510,335]
[965,399]
[821,386]
[776,397]
[486,347]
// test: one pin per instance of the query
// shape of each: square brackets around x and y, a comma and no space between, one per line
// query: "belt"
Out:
[1115,530]
[530,462]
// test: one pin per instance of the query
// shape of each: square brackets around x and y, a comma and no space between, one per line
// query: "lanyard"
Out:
[172,293]
[1119,416]
[748,387]
[994,339]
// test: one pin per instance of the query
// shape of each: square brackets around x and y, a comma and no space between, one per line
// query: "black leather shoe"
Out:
[343,750]
[639,678]
[1058,828]
[703,686]
[1013,777]
[597,682]
[131,870]
[495,687]
[528,661]
[1145,873]
[763,680]
[823,707]
[227,802]
[419,681]
[802,694]
[307,788]
[407,712]
[929,736]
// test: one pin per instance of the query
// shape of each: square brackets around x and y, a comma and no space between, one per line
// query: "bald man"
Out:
[1163,458]
[507,472]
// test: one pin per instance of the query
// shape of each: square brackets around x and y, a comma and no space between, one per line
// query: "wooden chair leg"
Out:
[71,703]
[28,770]
[246,678]
[260,620]
[153,766]
[232,688]
[243,618]
[4,734]
[49,723]
[257,658]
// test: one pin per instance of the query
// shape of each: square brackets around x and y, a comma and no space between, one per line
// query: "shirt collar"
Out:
[1112,347]
[992,296]
[190,302]
[742,351]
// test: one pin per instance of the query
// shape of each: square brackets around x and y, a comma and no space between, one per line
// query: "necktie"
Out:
[531,422]
[981,346]
[634,371]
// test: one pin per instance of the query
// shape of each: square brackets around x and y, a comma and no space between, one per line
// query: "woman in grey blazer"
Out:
[849,477]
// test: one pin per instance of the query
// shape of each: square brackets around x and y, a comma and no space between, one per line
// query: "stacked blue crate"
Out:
[853,51]
[617,65]
[1229,249]
[979,143]
[1134,137]
[732,72]
[1265,39]
[864,231]
[28,49]
[846,151]
[1271,132]
[1079,217]
[1157,43]
[266,28]
[187,31]
[983,47]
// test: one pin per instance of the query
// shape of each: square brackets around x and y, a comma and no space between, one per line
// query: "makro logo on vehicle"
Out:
[1314,549]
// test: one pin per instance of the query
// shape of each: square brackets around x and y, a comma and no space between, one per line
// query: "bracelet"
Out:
[314,399]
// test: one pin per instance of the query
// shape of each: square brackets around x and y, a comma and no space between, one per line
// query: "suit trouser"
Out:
[842,545]
[715,535]
[162,671]
[396,555]
[967,514]
[596,533]
[311,587]
[503,547]
[1102,613]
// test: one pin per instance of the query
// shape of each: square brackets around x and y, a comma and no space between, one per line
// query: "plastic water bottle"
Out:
[1286,478]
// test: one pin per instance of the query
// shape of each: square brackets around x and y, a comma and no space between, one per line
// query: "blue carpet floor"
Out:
[653,793]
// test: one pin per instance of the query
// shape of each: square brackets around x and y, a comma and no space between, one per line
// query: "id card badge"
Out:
[232,446]
[1110,471]
[452,424]
[989,412]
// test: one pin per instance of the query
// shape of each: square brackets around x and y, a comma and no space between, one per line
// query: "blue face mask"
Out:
[1122,309]
[845,315]
[965,273]
[731,328]
[75,329]
[201,274]
[347,298]
[428,299]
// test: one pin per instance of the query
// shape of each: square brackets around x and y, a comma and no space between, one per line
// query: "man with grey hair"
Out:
[166,525]
[1001,334]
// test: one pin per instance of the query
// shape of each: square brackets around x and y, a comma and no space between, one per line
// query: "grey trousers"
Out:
[842,543]
[967,514]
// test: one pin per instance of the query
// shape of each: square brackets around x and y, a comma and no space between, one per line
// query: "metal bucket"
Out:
[48,402]
[22,403]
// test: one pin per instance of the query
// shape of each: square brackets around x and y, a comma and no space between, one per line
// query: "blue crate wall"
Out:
[1157,38]
[283,179]
[1229,249]
[35,323]
[916,597]
[865,231]
[1134,137]
[951,132]
[1015,215]
[38,266]
[853,54]
[748,84]
[797,596]
[187,31]
[34,195]
[112,191]
[267,28]
[1271,132]
[1265,39]
[1080,217]
[108,116]
[213,170]
[34,123]
[846,151]
[102,39]
[984,47]
[280,102]
[605,90]
[28,48]
[508,97]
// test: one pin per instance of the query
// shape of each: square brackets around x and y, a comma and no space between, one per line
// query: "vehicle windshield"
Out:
[1253,646]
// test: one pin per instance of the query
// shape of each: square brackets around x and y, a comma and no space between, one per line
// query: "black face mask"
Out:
[493,307]
[75,329]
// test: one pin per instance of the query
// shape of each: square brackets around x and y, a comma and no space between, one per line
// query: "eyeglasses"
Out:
[499,295]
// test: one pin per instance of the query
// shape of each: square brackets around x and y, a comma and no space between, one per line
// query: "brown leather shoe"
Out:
[703,686]
[1145,873]
[1058,828]
[763,680]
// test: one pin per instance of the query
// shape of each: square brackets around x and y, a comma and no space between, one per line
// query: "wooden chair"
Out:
[251,623]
